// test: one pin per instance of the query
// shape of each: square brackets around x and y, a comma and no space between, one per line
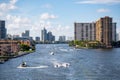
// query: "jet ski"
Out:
[24,64]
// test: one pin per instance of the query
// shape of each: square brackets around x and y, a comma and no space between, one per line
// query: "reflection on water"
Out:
[67,63]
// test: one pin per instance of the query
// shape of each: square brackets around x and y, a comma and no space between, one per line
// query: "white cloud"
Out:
[46,16]
[55,28]
[98,2]
[8,6]
[13,1]
[102,10]
[5,8]
[48,6]
[1,14]
[16,24]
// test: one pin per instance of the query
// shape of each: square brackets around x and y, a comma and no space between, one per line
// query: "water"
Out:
[66,63]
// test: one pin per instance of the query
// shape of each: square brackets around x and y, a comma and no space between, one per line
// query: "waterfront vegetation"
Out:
[91,44]
[116,44]
[85,44]
[24,49]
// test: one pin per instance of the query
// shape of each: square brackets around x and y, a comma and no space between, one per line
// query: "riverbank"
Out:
[19,54]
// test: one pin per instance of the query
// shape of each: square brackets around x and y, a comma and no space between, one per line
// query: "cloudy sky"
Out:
[57,16]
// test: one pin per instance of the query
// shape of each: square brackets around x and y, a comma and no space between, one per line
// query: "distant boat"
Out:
[65,64]
[57,65]
[23,64]
[52,53]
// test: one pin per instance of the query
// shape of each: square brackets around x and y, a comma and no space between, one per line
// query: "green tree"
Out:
[24,47]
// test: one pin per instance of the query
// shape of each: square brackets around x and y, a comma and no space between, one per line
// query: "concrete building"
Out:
[2,30]
[118,37]
[47,37]
[105,31]
[44,35]
[114,34]
[8,47]
[26,42]
[84,31]
[16,36]
[62,38]
[50,37]
[37,39]
[26,34]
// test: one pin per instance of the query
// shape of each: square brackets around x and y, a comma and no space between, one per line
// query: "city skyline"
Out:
[56,16]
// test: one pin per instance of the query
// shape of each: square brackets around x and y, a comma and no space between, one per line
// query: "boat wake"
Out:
[64,50]
[32,67]
[61,64]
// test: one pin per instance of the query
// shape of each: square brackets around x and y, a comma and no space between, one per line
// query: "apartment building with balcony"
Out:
[103,30]
[8,47]
[84,31]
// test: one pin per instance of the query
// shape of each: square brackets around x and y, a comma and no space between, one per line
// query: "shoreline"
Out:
[3,59]
[92,47]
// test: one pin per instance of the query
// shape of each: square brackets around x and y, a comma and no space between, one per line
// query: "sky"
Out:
[57,16]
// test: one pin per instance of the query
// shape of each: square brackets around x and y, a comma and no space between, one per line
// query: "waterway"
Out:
[61,62]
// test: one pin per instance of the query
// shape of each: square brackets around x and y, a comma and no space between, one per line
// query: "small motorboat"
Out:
[24,64]
[65,64]
[52,53]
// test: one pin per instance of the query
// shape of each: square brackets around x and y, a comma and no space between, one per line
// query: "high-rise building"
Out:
[26,34]
[84,31]
[50,37]
[47,37]
[62,38]
[114,34]
[105,31]
[37,39]
[44,35]
[118,36]
[2,29]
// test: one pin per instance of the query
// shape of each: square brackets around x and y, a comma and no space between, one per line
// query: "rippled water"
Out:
[65,63]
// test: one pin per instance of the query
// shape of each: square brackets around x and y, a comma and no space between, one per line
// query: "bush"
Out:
[24,47]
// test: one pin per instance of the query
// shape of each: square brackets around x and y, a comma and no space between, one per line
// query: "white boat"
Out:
[52,53]
[65,64]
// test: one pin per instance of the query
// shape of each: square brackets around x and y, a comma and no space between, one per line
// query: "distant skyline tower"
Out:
[3,31]
[44,35]
[62,38]
[26,34]
[50,36]
[37,39]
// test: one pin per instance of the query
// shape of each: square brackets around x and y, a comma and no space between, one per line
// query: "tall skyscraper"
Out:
[105,31]
[84,31]
[2,29]
[114,34]
[44,35]
[50,37]
[26,34]
[47,37]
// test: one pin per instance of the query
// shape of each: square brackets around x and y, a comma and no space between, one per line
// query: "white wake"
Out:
[32,67]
